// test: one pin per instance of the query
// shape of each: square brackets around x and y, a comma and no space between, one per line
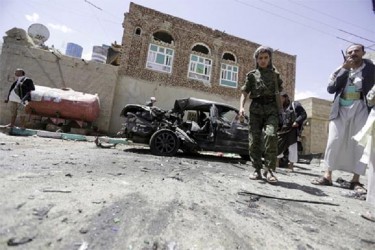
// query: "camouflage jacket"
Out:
[262,83]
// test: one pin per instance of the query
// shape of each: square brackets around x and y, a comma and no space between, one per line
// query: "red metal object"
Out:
[64,104]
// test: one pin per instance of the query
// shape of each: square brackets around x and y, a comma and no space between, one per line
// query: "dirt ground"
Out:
[61,194]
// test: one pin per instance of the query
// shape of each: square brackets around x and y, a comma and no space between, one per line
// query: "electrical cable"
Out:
[293,21]
[325,14]
[312,19]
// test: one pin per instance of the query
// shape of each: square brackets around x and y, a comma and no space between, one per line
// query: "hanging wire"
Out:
[300,23]
[333,17]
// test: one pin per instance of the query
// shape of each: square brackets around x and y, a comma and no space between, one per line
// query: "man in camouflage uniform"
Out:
[262,86]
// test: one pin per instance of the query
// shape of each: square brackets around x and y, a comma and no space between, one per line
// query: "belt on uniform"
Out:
[265,99]
[352,96]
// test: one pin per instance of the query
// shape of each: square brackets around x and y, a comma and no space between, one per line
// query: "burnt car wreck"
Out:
[192,125]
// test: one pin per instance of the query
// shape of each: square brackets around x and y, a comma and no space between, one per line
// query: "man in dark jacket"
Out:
[19,94]
[293,116]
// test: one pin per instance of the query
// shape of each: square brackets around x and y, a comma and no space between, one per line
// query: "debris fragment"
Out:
[20,205]
[42,212]
[84,246]
[56,191]
[286,199]
[16,242]
[107,142]
[83,230]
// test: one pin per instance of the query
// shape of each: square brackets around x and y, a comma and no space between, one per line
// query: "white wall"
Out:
[45,69]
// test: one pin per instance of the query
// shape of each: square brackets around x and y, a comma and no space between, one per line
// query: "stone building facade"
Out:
[171,58]
[167,50]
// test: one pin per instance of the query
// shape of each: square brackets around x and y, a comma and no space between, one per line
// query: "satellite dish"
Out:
[38,32]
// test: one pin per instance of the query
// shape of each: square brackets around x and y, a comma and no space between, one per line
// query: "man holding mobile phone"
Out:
[350,83]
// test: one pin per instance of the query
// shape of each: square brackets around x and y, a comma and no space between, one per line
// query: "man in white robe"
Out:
[350,84]
[366,137]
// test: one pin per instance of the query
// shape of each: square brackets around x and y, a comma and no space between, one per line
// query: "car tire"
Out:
[164,143]
[245,157]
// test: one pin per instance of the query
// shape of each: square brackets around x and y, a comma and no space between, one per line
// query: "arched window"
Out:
[161,52]
[201,49]
[229,56]
[229,71]
[138,31]
[200,66]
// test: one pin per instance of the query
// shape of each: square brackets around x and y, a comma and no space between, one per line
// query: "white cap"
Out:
[153,98]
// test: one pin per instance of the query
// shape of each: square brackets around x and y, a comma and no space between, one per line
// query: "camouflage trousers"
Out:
[263,125]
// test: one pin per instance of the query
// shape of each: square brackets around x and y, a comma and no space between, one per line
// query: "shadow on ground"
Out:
[197,156]
[304,188]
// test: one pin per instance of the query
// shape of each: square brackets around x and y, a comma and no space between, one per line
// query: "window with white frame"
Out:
[160,58]
[229,75]
[200,68]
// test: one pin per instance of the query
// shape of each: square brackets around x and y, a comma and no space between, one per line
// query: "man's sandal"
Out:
[270,177]
[358,187]
[290,167]
[256,175]
[322,181]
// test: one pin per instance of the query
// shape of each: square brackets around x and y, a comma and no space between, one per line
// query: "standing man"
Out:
[350,83]
[262,86]
[19,95]
[366,137]
[293,116]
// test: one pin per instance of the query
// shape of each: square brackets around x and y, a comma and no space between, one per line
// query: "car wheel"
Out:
[164,143]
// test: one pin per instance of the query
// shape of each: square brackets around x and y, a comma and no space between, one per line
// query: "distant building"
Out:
[99,53]
[74,50]
[315,132]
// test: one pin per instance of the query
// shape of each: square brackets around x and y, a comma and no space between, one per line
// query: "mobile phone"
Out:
[343,55]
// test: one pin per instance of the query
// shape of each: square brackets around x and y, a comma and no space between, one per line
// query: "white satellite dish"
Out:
[38,32]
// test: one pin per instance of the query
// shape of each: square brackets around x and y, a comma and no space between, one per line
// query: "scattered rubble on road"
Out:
[68,194]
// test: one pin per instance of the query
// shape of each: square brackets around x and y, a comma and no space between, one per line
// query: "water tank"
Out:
[63,103]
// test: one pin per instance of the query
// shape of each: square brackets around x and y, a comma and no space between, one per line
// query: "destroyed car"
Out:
[192,125]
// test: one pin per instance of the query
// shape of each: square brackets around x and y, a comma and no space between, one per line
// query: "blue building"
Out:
[99,53]
[73,50]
